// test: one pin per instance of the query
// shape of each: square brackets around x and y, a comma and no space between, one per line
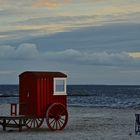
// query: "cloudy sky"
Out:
[93,41]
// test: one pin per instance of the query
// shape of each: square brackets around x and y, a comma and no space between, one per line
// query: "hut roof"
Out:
[43,74]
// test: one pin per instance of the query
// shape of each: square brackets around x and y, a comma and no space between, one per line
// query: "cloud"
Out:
[134,54]
[57,19]
[6,72]
[92,58]
[22,52]
[79,64]
[15,3]
[68,18]
[28,51]
[49,3]
[62,56]
[111,38]
[112,45]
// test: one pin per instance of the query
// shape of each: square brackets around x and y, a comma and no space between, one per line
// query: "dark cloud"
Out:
[110,38]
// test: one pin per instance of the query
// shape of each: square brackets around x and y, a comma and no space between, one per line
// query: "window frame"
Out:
[54,86]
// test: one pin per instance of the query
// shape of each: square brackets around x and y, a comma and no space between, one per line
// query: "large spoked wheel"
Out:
[57,117]
[34,122]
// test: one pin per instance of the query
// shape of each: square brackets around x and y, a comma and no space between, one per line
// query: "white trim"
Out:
[54,87]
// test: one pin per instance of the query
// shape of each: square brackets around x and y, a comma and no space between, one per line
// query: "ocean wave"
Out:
[88,95]
[6,95]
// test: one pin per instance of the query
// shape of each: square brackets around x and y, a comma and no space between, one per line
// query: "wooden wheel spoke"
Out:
[52,121]
[62,122]
[34,122]
[62,119]
[28,121]
[54,124]
[59,124]
[57,116]
[39,120]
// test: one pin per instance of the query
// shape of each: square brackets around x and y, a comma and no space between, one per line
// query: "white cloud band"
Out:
[25,51]
[28,51]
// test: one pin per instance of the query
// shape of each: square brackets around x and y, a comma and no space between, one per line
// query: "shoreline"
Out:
[92,106]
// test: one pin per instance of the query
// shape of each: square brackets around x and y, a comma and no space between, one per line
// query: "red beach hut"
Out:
[43,95]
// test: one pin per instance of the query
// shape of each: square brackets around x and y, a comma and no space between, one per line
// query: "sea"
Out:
[108,96]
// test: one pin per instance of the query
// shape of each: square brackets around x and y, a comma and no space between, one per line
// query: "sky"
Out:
[92,41]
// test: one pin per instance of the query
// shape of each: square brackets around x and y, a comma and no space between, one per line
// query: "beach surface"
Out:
[85,123]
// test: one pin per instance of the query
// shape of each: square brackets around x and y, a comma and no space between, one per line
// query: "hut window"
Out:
[59,86]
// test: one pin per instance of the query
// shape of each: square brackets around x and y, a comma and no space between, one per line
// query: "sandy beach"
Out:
[85,123]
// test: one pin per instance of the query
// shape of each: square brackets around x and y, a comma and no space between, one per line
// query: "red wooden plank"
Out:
[44,106]
[38,96]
